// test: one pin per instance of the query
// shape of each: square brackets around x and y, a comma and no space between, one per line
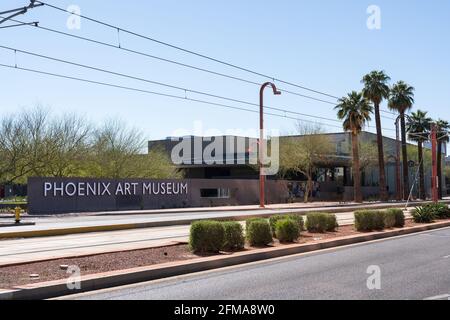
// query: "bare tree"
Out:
[68,143]
[305,153]
[23,144]
[113,151]
[34,144]
[157,165]
[368,155]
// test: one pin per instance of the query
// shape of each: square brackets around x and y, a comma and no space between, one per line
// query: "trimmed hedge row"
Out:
[369,220]
[321,222]
[287,230]
[234,236]
[298,219]
[206,236]
[214,236]
[258,232]
[394,218]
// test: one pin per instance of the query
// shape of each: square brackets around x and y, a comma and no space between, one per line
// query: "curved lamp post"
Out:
[262,177]
[434,176]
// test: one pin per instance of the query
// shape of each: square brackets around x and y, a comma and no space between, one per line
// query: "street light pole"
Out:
[262,176]
[397,172]
[434,179]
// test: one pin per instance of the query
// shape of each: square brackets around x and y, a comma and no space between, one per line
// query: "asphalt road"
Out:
[412,267]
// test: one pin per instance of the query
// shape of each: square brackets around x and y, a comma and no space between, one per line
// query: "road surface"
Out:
[412,267]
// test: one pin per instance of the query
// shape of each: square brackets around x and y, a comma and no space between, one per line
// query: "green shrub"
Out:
[321,222]
[389,219]
[295,217]
[206,236]
[249,221]
[258,232]
[299,219]
[369,220]
[316,222]
[399,217]
[332,223]
[424,214]
[440,210]
[287,230]
[234,236]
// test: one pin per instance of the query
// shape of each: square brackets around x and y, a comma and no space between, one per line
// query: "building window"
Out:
[219,193]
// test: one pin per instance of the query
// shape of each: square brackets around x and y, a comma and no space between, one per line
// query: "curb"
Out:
[21,224]
[142,225]
[59,288]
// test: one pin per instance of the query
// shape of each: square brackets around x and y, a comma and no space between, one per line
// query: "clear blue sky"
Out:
[324,45]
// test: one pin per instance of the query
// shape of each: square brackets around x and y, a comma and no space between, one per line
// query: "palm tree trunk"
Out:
[404,158]
[439,168]
[422,194]
[383,190]
[356,170]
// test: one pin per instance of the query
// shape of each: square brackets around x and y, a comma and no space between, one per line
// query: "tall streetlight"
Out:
[397,158]
[262,177]
[434,179]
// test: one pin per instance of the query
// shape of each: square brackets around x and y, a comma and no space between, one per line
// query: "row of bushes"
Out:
[431,212]
[321,222]
[213,236]
[369,220]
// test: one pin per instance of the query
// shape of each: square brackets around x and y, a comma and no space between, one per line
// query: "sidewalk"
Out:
[113,221]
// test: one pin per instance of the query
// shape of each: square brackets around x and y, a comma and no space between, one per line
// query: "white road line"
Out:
[440,297]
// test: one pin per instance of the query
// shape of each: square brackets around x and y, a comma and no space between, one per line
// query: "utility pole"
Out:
[434,179]
[16,12]
[262,176]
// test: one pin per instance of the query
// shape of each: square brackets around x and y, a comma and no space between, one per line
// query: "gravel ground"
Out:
[50,270]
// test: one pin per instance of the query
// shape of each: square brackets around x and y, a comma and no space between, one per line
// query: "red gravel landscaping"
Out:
[50,270]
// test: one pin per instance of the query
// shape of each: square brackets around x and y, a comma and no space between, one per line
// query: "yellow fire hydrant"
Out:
[17,212]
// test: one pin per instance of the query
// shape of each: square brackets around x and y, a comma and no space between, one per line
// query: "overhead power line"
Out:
[35,23]
[185,90]
[18,11]
[183,64]
[188,51]
[119,29]
[107,84]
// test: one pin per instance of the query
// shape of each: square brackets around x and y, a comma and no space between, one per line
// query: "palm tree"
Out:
[401,99]
[443,128]
[355,110]
[419,126]
[376,89]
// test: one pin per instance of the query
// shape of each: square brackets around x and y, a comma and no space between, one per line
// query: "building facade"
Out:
[234,157]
